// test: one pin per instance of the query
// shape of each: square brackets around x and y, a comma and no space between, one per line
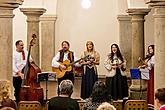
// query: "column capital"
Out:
[10,4]
[138,11]
[155,2]
[48,18]
[33,14]
[33,11]
[124,17]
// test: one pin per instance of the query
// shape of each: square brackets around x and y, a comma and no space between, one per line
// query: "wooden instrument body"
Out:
[31,90]
[61,72]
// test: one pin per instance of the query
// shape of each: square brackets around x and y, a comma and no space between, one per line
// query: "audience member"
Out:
[106,106]
[5,91]
[64,100]
[160,98]
[98,96]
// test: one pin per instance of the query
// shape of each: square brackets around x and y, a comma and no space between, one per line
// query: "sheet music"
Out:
[46,75]
[145,74]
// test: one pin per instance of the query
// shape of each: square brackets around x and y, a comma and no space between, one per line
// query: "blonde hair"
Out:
[106,106]
[5,89]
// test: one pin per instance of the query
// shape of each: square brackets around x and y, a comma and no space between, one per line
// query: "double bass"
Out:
[30,88]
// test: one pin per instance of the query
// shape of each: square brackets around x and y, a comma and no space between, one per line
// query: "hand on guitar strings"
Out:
[63,67]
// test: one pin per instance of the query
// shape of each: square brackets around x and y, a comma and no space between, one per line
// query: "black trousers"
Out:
[17,81]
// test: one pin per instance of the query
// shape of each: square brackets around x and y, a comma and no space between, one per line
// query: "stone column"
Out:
[138,87]
[33,15]
[159,35]
[6,36]
[47,41]
[125,38]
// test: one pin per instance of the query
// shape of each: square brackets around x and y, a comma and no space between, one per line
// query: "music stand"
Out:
[45,76]
[136,74]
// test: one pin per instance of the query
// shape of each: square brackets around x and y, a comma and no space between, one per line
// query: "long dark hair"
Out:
[118,53]
[149,55]
[100,93]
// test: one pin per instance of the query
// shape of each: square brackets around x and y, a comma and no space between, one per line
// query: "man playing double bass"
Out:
[63,58]
[19,62]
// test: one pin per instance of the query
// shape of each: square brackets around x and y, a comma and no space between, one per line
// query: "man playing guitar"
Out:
[58,63]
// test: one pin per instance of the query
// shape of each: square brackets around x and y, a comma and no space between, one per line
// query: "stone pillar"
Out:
[47,41]
[138,87]
[6,36]
[125,38]
[159,35]
[33,15]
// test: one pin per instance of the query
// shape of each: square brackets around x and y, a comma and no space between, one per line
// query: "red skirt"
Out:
[150,90]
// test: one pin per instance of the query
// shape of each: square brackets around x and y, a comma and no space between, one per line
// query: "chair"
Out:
[81,104]
[29,105]
[118,104]
[135,105]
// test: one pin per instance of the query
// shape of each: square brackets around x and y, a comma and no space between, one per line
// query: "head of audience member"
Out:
[66,88]
[100,93]
[106,106]
[19,46]
[5,89]
[7,108]
[65,46]
[115,51]
[90,46]
[160,97]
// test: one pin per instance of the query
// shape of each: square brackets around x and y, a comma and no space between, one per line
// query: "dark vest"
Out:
[70,56]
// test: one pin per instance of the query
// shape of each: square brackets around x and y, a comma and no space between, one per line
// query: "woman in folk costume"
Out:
[89,69]
[149,64]
[116,80]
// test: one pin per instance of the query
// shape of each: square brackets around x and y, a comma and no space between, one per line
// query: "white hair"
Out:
[106,106]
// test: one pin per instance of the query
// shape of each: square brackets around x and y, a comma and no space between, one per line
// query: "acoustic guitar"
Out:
[61,72]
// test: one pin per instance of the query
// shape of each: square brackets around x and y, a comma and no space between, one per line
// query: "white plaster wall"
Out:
[77,25]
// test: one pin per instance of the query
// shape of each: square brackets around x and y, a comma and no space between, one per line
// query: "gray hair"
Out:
[66,87]
[106,106]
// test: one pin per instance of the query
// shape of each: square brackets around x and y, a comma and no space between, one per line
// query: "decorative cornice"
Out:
[155,2]
[10,4]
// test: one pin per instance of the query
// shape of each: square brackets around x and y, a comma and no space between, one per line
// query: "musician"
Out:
[19,62]
[149,64]
[63,55]
[90,75]
[116,80]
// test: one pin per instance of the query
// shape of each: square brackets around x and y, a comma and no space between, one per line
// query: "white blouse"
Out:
[108,65]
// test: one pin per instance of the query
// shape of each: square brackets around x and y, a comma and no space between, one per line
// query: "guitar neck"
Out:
[73,63]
